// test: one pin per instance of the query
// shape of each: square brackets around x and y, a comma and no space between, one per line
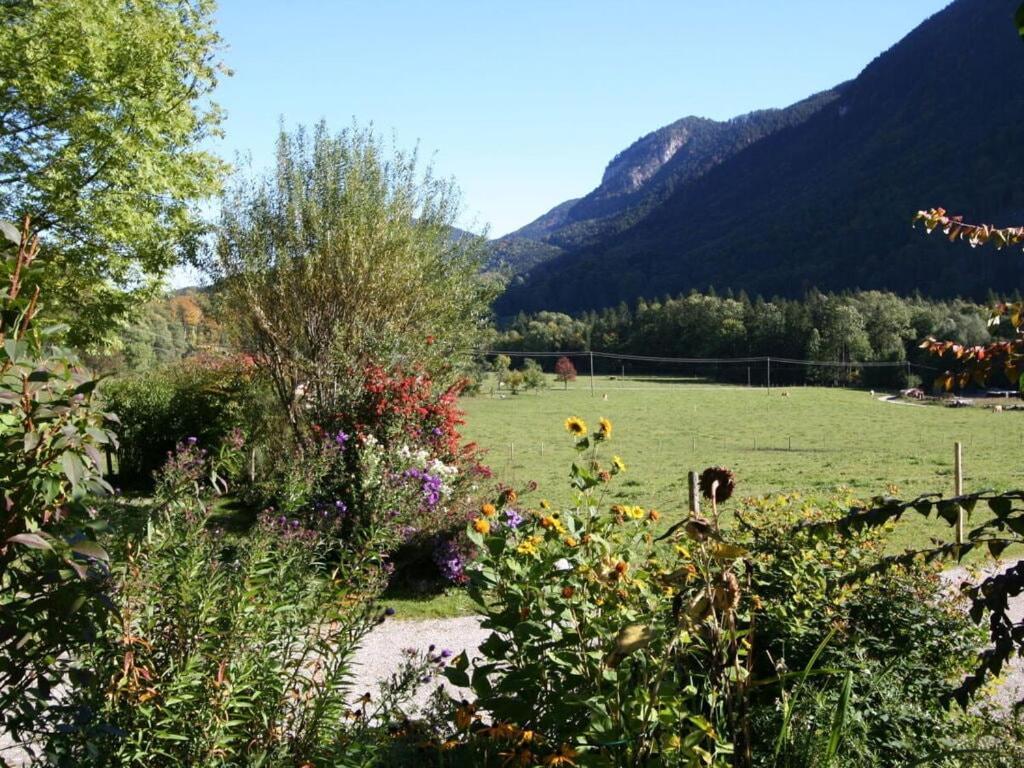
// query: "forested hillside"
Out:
[827,203]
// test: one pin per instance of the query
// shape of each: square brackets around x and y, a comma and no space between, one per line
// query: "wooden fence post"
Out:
[694,495]
[958,488]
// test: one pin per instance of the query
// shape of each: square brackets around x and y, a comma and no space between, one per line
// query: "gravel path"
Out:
[381,653]
[1010,687]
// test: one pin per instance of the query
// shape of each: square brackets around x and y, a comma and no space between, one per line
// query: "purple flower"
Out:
[192,440]
[437,431]
[445,653]
[341,438]
[389,611]
[341,506]
[512,518]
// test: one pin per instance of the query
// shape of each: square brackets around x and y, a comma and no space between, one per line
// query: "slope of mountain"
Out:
[643,175]
[827,202]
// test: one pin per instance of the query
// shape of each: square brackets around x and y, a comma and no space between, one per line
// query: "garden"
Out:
[196,546]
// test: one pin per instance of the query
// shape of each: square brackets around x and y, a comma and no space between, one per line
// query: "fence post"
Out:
[769,360]
[694,495]
[591,373]
[958,488]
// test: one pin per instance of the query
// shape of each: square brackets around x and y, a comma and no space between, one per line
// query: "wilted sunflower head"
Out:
[576,426]
[726,483]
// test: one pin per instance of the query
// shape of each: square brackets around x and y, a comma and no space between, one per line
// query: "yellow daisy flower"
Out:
[481,526]
[618,464]
[605,432]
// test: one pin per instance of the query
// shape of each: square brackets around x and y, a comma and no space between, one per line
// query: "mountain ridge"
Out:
[827,202]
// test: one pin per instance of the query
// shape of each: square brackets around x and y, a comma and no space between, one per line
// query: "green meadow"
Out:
[820,441]
[815,440]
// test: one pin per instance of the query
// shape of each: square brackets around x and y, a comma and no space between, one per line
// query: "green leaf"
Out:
[996,547]
[948,511]
[73,467]
[31,540]
[1001,505]
[31,441]
[90,549]
[10,232]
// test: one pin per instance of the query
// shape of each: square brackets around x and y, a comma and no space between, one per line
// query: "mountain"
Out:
[826,202]
[643,175]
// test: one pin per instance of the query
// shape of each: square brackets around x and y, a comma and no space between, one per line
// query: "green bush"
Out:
[904,638]
[779,647]
[202,397]
[233,652]
[51,434]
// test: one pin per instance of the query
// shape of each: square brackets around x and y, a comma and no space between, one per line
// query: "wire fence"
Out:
[630,371]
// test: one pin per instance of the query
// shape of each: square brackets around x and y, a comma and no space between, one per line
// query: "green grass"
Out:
[816,440]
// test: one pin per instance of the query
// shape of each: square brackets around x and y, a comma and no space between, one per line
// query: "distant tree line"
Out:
[848,328]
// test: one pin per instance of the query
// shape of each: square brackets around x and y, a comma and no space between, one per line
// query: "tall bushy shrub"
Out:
[206,397]
[51,435]
[235,652]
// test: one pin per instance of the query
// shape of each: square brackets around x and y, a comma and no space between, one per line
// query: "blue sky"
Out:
[525,102]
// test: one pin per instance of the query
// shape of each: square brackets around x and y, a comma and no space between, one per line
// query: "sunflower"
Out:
[717,480]
[576,426]
[480,525]
[618,464]
[605,432]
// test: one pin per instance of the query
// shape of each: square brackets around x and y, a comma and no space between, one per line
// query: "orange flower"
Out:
[488,510]
[564,756]
[481,526]
[654,515]
[568,592]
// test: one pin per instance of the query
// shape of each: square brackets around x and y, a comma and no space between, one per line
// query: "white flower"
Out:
[561,564]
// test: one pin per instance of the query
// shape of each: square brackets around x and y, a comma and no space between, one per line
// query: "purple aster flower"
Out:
[512,518]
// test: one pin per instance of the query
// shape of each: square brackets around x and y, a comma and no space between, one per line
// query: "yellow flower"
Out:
[529,546]
[488,510]
[553,523]
[481,526]
[576,426]
[635,513]
[570,541]
[605,432]
[545,504]
[618,465]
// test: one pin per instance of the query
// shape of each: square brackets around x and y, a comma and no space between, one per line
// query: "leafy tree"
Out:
[103,106]
[565,371]
[501,366]
[533,375]
[344,257]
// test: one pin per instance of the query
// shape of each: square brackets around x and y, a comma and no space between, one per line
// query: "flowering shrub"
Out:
[608,646]
[391,459]
[771,645]
[235,652]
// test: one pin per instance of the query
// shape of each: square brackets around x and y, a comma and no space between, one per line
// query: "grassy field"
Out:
[810,439]
[815,440]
